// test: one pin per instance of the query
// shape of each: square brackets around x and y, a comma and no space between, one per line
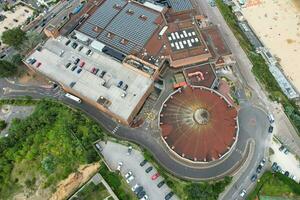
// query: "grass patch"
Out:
[260,68]
[189,190]
[276,185]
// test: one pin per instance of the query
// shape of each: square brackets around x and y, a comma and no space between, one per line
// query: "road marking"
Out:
[115,129]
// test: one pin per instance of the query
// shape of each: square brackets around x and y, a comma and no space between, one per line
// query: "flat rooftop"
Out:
[89,85]
[123,25]
[201,75]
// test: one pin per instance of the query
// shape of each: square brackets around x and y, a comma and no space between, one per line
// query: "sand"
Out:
[277,24]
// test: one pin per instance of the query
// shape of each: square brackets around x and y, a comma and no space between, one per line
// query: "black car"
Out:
[141,194]
[274,165]
[68,65]
[76,61]
[73,68]
[74,45]
[149,169]
[169,195]
[68,42]
[254,177]
[138,190]
[88,52]
[258,169]
[78,71]
[143,163]
[270,130]
[286,173]
[160,184]
[102,74]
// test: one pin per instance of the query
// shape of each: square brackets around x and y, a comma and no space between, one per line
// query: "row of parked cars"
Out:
[32,61]
[277,168]
[74,45]
[76,65]
[154,177]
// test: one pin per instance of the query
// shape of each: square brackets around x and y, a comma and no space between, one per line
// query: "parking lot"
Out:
[115,153]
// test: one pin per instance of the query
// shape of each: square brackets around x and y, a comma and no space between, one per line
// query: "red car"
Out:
[38,65]
[93,70]
[155,176]
[81,64]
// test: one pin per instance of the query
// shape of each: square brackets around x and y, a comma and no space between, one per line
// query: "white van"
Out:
[271,118]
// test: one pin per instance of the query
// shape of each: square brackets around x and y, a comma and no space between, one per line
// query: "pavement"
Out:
[114,153]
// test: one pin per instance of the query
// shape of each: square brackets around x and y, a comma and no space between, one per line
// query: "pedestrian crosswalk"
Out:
[115,129]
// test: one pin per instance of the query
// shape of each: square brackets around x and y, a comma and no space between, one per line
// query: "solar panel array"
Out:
[183,39]
[180,5]
[116,42]
[131,26]
[132,22]
[105,13]
[87,29]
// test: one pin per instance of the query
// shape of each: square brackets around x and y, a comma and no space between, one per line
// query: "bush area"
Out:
[260,68]
[188,190]
[7,69]
[117,183]
[3,125]
[92,192]
[275,185]
[48,146]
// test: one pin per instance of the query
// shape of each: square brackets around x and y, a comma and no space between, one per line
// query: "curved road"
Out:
[253,123]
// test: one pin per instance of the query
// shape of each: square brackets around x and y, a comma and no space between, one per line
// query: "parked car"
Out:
[141,194]
[160,184]
[82,64]
[270,130]
[143,163]
[120,84]
[286,151]
[98,146]
[169,195]
[130,178]
[68,65]
[253,177]
[155,176]
[135,187]
[128,174]
[73,68]
[120,164]
[149,169]
[262,162]
[74,45]
[78,71]
[89,52]
[68,42]
[258,169]
[102,74]
[129,150]
[125,87]
[80,48]
[138,190]
[243,193]
[38,64]
[281,148]
[274,166]
[287,173]
[76,61]
[145,197]
[93,70]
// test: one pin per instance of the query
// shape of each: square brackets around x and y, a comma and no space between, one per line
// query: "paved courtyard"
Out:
[115,153]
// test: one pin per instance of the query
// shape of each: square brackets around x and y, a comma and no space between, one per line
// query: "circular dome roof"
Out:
[198,124]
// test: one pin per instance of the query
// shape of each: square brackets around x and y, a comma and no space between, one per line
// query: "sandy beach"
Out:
[277,24]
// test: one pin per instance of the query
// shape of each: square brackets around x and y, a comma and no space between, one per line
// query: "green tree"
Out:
[2,125]
[7,69]
[14,37]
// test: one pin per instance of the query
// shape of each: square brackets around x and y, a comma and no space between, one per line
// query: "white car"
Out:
[120,164]
[128,174]
[135,187]
[145,197]
[243,193]
[129,179]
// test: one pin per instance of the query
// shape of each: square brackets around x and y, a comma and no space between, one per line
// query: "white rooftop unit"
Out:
[189,43]
[163,30]
[177,46]
[192,40]
[173,36]
[181,35]
[172,44]
[197,40]
[170,38]
[184,41]
[177,35]
[193,33]
[190,34]
[185,34]
[181,45]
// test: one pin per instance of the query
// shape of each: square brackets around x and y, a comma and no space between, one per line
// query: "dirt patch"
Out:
[297,4]
[32,78]
[290,41]
[74,181]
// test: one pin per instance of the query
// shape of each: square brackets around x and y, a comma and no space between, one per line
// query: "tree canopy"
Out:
[13,37]
[7,69]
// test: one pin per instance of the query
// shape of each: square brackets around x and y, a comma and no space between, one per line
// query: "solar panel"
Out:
[180,5]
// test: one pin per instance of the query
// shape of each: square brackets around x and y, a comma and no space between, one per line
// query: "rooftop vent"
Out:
[117,7]
[124,41]
[96,29]
[109,35]
[143,17]
[130,12]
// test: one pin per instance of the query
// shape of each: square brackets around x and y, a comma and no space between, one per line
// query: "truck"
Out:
[74,98]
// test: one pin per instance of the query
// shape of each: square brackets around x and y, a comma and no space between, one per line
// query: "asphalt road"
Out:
[154,144]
